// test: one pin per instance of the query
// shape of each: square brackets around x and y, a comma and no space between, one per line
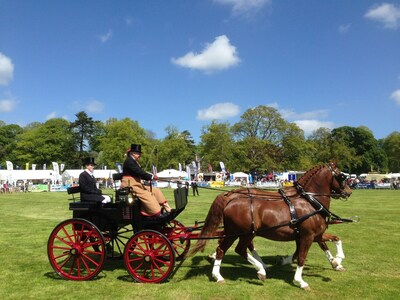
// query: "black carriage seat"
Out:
[77,204]
[80,205]
[117,176]
[72,190]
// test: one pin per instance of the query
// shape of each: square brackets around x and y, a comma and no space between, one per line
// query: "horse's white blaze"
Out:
[299,279]
[215,271]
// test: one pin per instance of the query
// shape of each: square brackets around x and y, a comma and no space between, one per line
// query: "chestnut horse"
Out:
[299,213]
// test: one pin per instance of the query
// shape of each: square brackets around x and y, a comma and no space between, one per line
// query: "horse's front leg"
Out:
[336,262]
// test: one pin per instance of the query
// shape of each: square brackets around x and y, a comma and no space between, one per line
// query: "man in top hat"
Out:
[87,183]
[132,175]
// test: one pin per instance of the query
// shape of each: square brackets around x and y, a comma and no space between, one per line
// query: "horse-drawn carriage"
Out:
[78,247]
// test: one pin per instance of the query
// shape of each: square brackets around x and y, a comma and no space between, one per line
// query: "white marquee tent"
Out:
[30,175]
[71,175]
[172,174]
[240,176]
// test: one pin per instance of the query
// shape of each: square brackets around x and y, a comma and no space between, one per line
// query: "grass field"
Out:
[372,248]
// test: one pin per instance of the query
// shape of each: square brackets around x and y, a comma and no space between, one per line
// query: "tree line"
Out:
[261,141]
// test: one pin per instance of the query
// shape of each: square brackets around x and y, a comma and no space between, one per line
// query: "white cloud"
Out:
[386,13]
[244,7]
[308,121]
[344,28]
[316,114]
[216,56]
[94,106]
[107,36]
[51,115]
[396,96]
[219,111]
[54,115]
[309,126]
[7,105]
[6,69]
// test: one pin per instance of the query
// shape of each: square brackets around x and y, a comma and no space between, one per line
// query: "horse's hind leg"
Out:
[241,249]
[220,252]
[336,261]
[255,254]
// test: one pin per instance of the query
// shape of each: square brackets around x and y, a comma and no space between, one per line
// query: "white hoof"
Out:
[261,276]
[340,268]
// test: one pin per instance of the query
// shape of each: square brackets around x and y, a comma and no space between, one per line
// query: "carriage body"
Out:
[78,247]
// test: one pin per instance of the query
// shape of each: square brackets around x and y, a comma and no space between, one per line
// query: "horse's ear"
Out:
[333,164]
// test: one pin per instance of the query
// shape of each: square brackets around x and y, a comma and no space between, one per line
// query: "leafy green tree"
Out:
[49,142]
[176,148]
[9,135]
[216,145]
[294,148]
[118,137]
[86,131]
[254,154]
[391,146]
[320,140]
[261,134]
[365,151]
[262,122]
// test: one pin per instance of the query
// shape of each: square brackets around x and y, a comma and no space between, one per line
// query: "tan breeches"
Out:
[151,200]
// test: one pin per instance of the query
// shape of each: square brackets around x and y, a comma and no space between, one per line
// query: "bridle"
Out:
[340,178]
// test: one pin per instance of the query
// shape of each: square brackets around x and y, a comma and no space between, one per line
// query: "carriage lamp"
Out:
[130,199]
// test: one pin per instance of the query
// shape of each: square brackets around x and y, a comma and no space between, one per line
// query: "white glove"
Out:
[106,200]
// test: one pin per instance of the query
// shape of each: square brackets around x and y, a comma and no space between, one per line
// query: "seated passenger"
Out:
[87,183]
[152,198]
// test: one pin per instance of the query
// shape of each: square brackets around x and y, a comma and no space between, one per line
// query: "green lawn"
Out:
[371,246]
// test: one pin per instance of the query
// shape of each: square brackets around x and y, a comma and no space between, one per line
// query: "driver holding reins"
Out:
[152,198]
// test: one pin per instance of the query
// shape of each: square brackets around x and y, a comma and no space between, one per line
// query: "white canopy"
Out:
[172,173]
[15,175]
[74,173]
[240,175]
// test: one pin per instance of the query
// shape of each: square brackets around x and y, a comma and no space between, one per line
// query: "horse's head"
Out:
[326,180]
[339,186]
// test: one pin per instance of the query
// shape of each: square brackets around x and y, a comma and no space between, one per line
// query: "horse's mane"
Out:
[309,174]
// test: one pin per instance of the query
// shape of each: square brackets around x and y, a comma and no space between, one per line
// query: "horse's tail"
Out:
[213,220]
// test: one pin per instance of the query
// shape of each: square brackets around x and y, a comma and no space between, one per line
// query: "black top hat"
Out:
[88,161]
[136,148]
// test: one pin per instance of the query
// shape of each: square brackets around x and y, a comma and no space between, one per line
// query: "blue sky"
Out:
[186,62]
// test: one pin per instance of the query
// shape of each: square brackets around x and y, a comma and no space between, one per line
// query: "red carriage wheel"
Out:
[76,249]
[174,231]
[149,257]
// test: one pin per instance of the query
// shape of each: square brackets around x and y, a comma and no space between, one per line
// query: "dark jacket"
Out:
[89,190]
[132,168]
